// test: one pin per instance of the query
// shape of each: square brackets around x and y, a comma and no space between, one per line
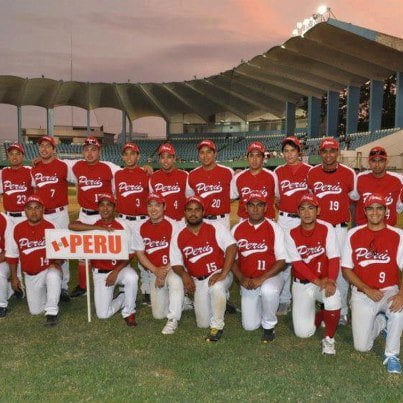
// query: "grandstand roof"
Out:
[330,56]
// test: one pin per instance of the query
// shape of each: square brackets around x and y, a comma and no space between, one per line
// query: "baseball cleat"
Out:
[187,304]
[51,320]
[230,308]
[170,327]
[131,320]
[343,321]
[3,312]
[64,295]
[393,364]
[268,335]
[214,334]
[328,346]
[146,300]
[20,293]
[284,308]
[78,292]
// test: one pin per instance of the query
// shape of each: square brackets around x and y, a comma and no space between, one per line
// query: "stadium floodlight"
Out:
[306,22]
[322,9]
[299,25]
[295,32]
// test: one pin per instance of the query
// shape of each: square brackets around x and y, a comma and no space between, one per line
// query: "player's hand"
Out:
[375,295]
[330,288]
[15,284]
[107,229]
[244,281]
[215,277]
[159,282]
[111,278]
[188,283]
[254,283]
[161,272]
[396,302]
[55,266]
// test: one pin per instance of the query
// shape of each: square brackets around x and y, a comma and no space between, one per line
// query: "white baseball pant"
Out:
[167,302]
[342,283]
[105,304]
[43,291]
[4,284]
[303,308]
[367,325]
[210,302]
[259,306]
[225,221]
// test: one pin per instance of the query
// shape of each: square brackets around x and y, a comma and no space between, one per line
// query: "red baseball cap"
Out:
[256,145]
[49,139]
[166,148]
[291,139]
[106,196]
[16,146]
[255,195]
[195,199]
[375,198]
[377,152]
[91,141]
[33,198]
[309,198]
[329,142]
[131,146]
[157,197]
[207,143]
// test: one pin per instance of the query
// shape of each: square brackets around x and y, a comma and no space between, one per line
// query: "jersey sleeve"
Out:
[353,185]
[347,254]
[234,194]
[332,249]
[224,237]
[291,248]
[71,178]
[279,247]
[137,240]
[175,255]
[276,186]
[400,252]
[11,245]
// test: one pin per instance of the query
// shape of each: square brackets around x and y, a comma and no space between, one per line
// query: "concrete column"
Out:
[123,127]
[399,100]
[375,105]
[88,122]
[313,116]
[353,103]
[167,129]
[332,115]
[50,121]
[130,127]
[289,118]
[19,124]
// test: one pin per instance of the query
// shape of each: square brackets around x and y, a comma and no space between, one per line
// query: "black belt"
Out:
[132,217]
[103,271]
[342,224]
[90,212]
[14,214]
[297,280]
[289,214]
[214,217]
[55,210]
[202,277]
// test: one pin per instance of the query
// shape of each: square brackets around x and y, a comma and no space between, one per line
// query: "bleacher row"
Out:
[231,147]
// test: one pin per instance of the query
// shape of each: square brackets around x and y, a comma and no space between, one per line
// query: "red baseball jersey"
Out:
[174,187]
[93,180]
[292,184]
[315,248]
[214,187]
[51,183]
[245,182]
[27,244]
[259,246]
[389,186]
[201,254]
[131,190]
[15,185]
[333,189]
[376,257]
[3,231]
[154,239]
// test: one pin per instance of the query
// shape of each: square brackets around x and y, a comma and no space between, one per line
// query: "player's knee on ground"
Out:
[249,326]
[103,314]
[218,290]
[131,278]
[304,331]
[270,291]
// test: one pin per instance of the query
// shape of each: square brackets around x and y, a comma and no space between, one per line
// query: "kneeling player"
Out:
[109,273]
[261,258]
[372,261]
[312,249]
[151,241]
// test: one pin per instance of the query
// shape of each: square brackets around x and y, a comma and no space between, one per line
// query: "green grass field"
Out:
[106,360]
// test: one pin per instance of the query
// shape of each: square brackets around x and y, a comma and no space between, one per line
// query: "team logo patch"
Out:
[370,257]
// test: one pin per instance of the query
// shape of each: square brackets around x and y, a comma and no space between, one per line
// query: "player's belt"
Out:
[342,225]
[297,280]
[214,217]
[101,271]
[89,212]
[202,277]
[11,214]
[132,217]
[285,214]
[55,210]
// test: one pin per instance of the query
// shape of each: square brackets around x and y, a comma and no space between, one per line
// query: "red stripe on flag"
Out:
[55,246]
[65,242]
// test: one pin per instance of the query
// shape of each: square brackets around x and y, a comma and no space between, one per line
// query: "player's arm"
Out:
[243,281]
[113,275]
[276,268]
[159,272]
[230,254]
[188,282]
[352,278]
[79,226]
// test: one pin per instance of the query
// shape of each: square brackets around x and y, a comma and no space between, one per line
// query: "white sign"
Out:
[66,244]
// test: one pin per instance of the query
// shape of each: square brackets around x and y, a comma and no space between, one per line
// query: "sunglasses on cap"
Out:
[377,152]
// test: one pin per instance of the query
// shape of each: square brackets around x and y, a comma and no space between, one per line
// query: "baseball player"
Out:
[4,270]
[109,273]
[333,184]
[212,183]
[291,184]
[256,178]
[202,254]
[51,176]
[151,241]
[315,257]
[379,180]
[261,257]
[43,277]
[372,262]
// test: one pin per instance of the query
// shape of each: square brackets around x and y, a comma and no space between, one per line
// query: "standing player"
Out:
[4,269]
[261,257]
[109,273]
[202,254]
[151,242]
[378,180]
[291,185]
[212,182]
[256,178]
[43,277]
[313,251]
[333,184]
[51,176]
[372,262]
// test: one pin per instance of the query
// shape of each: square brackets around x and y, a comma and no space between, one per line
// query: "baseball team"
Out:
[178,226]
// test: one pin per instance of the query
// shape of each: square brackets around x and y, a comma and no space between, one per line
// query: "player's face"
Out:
[167,161]
[308,213]
[256,210]
[46,150]
[15,158]
[377,166]
[130,157]
[34,212]
[91,154]
[375,213]
[329,157]
[106,209]
[155,210]
[291,154]
[255,160]
[194,214]
[207,156]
